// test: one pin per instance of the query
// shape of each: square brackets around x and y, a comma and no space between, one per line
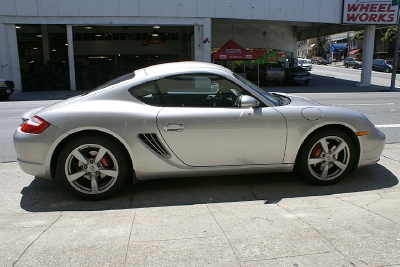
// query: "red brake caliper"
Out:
[105,162]
[316,151]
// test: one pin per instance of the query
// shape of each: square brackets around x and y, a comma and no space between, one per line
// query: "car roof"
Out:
[174,67]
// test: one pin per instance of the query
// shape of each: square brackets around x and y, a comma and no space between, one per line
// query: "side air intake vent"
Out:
[152,141]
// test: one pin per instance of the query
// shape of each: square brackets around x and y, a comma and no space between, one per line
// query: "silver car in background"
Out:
[189,119]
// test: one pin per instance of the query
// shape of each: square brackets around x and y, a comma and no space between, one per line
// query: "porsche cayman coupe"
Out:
[189,119]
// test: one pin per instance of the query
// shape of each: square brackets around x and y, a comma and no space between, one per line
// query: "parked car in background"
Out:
[318,61]
[267,73]
[189,119]
[6,88]
[297,75]
[382,65]
[352,62]
[304,63]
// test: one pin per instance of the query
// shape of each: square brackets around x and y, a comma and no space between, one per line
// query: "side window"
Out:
[147,93]
[198,90]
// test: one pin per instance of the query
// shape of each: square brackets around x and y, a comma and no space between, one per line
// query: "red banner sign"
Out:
[369,12]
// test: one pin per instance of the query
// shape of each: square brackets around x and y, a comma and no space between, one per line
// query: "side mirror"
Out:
[248,102]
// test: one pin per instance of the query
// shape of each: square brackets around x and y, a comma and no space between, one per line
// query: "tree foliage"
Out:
[319,49]
[390,34]
[358,36]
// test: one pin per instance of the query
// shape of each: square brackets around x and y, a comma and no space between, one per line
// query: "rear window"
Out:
[275,67]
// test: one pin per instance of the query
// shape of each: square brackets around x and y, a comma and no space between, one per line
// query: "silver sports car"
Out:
[189,119]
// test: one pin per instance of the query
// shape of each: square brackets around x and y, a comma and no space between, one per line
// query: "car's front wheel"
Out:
[92,167]
[326,157]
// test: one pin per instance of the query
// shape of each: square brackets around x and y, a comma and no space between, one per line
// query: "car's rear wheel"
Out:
[326,157]
[306,82]
[92,167]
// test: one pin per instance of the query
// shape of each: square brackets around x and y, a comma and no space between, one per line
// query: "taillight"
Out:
[35,125]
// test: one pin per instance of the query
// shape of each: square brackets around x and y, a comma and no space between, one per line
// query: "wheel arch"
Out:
[66,140]
[342,128]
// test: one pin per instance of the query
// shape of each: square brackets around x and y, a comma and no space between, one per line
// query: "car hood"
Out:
[296,100]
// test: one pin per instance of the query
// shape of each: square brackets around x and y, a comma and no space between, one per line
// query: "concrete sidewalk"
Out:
[255,220]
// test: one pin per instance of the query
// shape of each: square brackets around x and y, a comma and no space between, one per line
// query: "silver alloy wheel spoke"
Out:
[342,146]
[100,154]
[107,172]
[324,145]
[324,173]
[313,161]
[94,185]
[340,164]
[74,176]
[77,154]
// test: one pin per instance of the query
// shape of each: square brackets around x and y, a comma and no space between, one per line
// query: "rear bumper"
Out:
[301,79]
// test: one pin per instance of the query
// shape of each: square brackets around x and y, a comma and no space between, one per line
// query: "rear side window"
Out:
[147,93]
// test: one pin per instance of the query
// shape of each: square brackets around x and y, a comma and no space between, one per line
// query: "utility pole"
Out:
[396,54]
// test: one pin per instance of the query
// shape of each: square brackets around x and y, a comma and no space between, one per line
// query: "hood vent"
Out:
[152,141]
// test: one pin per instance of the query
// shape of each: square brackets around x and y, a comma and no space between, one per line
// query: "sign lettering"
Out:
[369,12]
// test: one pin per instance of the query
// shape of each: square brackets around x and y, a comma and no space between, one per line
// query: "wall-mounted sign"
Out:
[272,57]
[369,12]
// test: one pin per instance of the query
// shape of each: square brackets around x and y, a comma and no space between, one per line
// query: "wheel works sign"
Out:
[369,12]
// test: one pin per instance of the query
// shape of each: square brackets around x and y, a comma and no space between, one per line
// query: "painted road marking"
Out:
[372,104]
[388,126]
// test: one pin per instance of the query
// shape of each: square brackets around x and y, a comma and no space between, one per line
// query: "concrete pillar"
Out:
[367,56]
[9,57]
[45,43]
[71,59]
[202,41]
[294,53]
[198,34]
[206,44]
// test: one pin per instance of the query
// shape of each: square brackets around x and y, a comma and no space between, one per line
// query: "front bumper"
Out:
[4,91]
[372,146]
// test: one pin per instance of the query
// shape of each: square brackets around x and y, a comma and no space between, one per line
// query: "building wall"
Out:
[253,35]
[326,11]
[246,21]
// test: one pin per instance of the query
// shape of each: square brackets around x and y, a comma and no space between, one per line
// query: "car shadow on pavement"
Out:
[46,196]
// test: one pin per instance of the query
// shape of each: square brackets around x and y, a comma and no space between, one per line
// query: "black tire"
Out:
[387,70]
[320,163]
[346,66]
[85,175]
[306,82]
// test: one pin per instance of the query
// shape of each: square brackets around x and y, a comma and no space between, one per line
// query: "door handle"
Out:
[174,127]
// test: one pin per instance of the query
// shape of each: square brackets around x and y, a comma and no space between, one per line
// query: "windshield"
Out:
[273,99]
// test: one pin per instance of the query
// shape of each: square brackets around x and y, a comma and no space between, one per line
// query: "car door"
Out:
[214,132]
